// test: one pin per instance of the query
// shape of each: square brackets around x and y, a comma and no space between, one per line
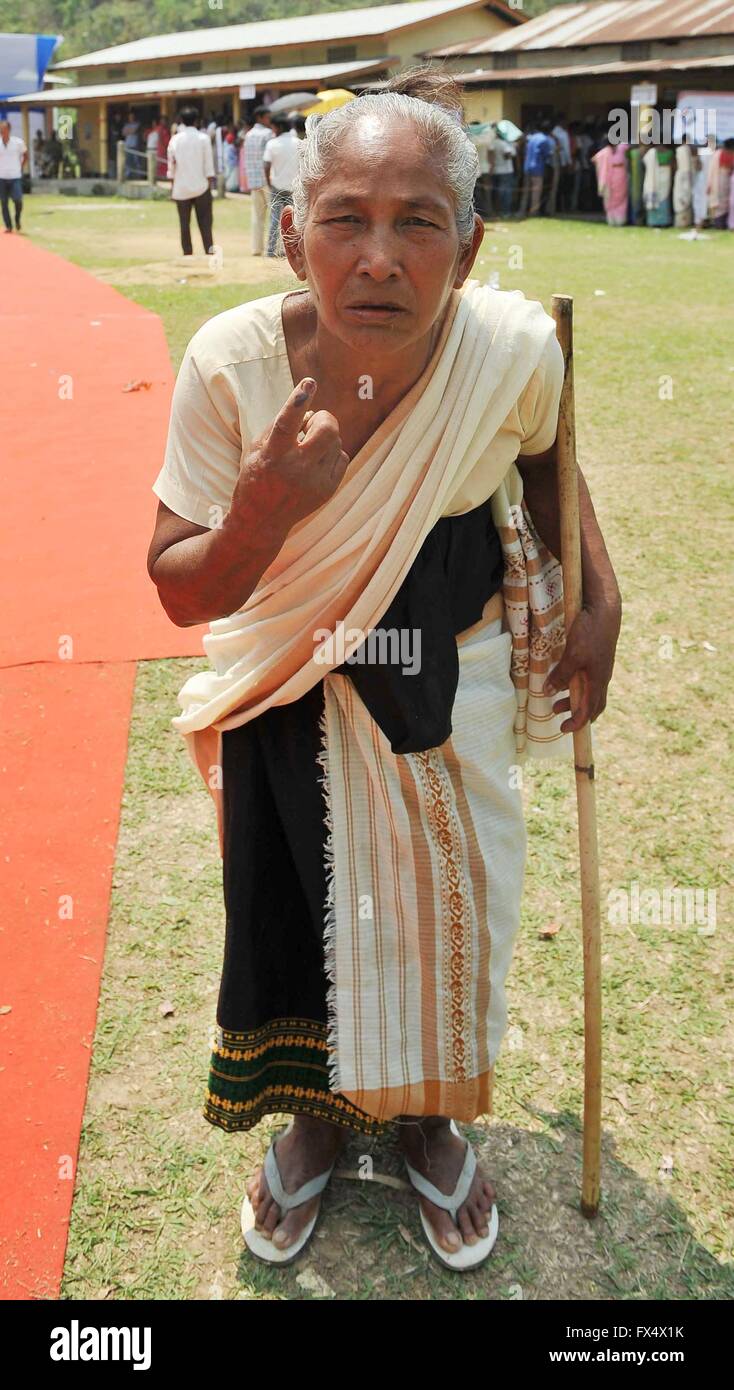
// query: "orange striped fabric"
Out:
[533,599]
[425,862]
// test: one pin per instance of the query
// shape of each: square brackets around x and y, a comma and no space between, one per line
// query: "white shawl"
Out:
[344,563]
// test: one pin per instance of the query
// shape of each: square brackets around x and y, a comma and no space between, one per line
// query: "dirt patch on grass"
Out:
[244,270]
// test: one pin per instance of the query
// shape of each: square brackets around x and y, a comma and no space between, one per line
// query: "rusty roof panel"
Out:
[610,21]
[674,66]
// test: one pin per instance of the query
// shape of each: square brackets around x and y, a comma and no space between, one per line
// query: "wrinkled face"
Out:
[380,247]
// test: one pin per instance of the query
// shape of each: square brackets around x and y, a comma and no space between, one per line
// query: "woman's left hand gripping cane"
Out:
[589,655]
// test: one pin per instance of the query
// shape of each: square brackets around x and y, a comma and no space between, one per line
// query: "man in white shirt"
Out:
[13,158]
[281,157]
[503,174]
[191,167]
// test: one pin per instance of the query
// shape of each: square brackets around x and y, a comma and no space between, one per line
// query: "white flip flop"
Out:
[467,1256]
[258,1244]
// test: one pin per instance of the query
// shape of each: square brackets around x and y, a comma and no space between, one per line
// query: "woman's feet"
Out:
[309,1148]
[438,1155]
[312,1145]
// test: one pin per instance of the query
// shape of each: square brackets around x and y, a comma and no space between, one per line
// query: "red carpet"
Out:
[79,455]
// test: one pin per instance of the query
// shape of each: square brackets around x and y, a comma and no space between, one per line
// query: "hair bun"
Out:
[431,85]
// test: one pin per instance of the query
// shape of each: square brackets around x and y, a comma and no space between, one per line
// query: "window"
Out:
[116,72]
[261,60]
[193,65]
[345,54]
[505,60]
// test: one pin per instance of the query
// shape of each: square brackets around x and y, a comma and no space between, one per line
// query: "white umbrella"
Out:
[292,101]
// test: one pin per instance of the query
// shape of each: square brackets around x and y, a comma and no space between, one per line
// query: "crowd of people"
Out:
[259,157]
[54,158]
[680,185]
[556,166]
[550,167]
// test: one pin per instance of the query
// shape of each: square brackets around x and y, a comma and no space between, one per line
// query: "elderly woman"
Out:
[342,501]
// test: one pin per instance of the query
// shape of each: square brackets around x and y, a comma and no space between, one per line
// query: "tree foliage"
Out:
[90,24]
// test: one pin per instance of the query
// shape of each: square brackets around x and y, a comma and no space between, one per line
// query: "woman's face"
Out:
[380,249]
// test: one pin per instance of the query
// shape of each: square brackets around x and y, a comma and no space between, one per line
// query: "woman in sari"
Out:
[704,155]
[340,472]
[657,191]
[636,206]
[612,182]
[719,179]
[164,140]
[685,167]
[231,163]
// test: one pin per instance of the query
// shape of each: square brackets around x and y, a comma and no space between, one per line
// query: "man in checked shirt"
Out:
[255,142]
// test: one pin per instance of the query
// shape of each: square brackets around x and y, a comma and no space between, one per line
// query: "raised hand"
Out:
[298,459]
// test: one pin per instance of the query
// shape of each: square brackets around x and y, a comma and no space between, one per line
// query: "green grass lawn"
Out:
[156,1210]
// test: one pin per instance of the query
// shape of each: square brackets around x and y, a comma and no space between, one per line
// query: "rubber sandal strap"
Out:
[287,1200]
[448,1201]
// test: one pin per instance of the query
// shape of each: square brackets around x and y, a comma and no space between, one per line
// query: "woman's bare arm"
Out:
[205,574]
[290,470]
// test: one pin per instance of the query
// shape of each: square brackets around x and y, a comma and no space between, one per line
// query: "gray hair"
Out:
[440,130]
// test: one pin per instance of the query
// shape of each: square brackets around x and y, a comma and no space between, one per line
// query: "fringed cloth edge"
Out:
[424,854]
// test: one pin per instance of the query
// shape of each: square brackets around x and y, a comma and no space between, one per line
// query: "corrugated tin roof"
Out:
[201,82]
[491,77]
[275,33]
[610,21]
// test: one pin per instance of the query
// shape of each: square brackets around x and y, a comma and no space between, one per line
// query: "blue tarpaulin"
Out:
[23,62]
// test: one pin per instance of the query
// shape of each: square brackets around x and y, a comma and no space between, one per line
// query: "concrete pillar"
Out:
[26,123]
[236,108]
[103,155]
[121,161]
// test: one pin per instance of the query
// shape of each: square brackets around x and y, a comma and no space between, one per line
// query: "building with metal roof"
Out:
[227,70]
[586,58]
[333,26]
[619,21]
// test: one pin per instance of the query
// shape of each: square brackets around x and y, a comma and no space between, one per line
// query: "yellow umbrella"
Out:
[328,101]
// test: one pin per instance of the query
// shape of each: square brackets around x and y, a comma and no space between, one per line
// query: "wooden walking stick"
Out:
[570,557]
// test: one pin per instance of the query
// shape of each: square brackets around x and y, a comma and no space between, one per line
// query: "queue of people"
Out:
[681,185]
[540,170]
[555,166]
[552,166]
